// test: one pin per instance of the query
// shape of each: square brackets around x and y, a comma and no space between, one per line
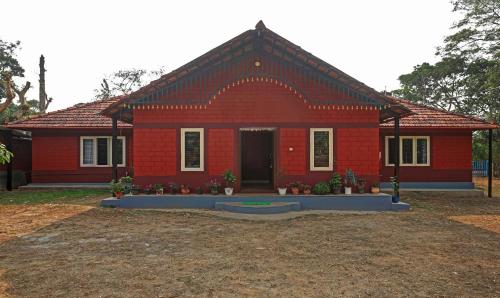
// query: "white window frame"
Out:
[110,150]
[414,151]
[330,149]
[202,149]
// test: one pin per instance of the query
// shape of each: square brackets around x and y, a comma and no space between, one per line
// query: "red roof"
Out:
[85,115]
[429,117]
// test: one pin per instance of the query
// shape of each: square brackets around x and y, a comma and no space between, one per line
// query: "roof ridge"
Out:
[75,106]
[441,110]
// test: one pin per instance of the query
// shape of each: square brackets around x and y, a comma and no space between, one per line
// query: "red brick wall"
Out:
[357,148]
[293,162]
[257,102]
[450,158]
[221,151]
[155,152]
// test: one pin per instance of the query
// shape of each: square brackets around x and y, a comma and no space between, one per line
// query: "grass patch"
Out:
[75,196]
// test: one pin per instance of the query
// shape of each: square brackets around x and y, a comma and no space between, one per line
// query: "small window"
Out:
[413,151]
[407,151]
[391,147]
[321,149]
[192,149]
[97,151]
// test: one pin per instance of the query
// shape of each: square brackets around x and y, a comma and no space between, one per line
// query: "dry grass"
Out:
[482,183]
[488,222]
[144,253]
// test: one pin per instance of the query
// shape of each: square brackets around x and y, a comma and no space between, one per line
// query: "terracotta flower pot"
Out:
[119,194]
[375,189]
[307,191]
[295,190]
[185,191]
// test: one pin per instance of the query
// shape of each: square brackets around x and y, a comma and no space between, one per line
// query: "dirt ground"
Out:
[482,182]
[143,253]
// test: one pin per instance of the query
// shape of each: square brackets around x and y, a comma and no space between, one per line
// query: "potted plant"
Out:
[185,189]
[117,189]
[350,181]
[336,183]
[136,189]
[199,190]
[295,187]
[395,189]
[172,187]
[230,179]
[321,188]
[375,187]
[159,189]
[127,183]
[307,189]
[149,189]
[214,186]
[281,187]
[361,184]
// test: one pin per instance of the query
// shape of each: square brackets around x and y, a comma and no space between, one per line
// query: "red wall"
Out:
[56,157]
[221,151]
[257,104]
[450,159]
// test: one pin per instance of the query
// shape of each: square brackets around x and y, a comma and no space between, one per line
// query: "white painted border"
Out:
[202,150]
[110,164]
[330,149]
[414,151]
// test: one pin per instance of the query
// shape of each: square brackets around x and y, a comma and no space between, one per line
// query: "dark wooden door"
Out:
[257,157]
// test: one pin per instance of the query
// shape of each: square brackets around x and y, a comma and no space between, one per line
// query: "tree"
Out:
[124,82]
[5,155]
[467,77]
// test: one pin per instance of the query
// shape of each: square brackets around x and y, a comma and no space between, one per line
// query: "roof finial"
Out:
[260,25]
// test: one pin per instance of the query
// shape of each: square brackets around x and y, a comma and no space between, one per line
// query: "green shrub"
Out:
[321,188]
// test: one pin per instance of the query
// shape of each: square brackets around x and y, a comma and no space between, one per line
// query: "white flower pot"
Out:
[282,191]
[348,190]
[228,191]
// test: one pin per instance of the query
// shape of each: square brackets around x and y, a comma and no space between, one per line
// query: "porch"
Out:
[261,203]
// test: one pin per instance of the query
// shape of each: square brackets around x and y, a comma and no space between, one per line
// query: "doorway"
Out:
[257,160]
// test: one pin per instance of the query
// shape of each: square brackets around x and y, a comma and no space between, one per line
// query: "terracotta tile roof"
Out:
[85,115]
[267,42]
[429,117]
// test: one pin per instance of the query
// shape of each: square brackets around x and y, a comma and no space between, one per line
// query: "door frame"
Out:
[274,150]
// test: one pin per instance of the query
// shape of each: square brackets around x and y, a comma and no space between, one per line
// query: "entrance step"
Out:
[258,207]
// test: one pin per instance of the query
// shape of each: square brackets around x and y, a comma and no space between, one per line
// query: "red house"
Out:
[262,107]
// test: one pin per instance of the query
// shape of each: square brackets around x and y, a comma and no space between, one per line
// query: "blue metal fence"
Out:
[480,168]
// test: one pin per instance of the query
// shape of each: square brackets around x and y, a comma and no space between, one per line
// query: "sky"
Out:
[82,41]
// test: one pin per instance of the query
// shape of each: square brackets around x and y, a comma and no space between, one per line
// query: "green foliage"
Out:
[336,181]
[321,188]
[229,177]
[9,62]
[395,183]
[466,79]
[14,111]
[116,187]
[350,178]
[5,155]
[158,186]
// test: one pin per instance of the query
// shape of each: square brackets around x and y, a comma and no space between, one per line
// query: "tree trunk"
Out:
[21,94]
[43,101]
[7,79]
